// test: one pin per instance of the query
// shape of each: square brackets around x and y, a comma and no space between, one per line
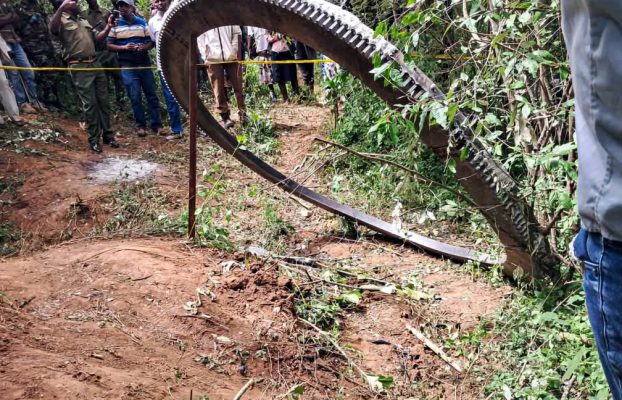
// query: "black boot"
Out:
[226,119]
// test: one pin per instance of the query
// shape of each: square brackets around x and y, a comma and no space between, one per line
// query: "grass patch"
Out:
[10,238]
[139,207]
[542,341]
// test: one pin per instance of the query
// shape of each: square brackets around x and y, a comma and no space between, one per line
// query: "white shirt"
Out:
[220,44]
[155,25]
[261,37]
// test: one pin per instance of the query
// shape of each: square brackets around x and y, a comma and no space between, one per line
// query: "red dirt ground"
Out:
[104,318]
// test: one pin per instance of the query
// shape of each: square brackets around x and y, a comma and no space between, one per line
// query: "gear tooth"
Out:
[369,50]
[353,39]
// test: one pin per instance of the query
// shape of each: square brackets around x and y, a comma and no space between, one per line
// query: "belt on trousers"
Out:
[81,61]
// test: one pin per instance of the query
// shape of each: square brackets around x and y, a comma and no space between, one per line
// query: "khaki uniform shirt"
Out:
[77,38]
[97,18]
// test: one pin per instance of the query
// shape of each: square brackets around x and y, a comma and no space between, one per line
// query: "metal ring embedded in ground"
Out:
[346,40]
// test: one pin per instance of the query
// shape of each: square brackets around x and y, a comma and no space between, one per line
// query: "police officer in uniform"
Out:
[98,19]
[78,40]
[39,47]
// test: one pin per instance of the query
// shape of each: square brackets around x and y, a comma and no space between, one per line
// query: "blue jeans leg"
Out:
[131,80]
[153,103]
[19,57]
[602,281]
[171,105]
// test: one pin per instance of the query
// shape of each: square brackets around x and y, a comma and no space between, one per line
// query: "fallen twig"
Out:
[247,386]
[397,165]
[339,349]
[204,317]
[143,278]
[435,348]
[567,387]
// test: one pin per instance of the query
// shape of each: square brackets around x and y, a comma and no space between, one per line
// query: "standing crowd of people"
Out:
[103,48]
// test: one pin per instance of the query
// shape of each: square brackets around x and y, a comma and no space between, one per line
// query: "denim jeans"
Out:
[174,114]
[602,281]
[136,82]
[19,57]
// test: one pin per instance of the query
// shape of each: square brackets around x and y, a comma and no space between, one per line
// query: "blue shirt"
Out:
[136,32]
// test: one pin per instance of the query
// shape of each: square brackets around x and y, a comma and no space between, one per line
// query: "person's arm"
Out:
[118,49]
[145,47]
[6,19]
[101,36]
[112,46]
[55,23]
[152,30]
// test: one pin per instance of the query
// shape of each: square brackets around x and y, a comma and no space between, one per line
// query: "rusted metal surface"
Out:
[193,100]
[343,38]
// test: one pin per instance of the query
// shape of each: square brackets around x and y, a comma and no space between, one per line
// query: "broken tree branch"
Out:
[247,386]
[399,166]
[435,348]
[338,348]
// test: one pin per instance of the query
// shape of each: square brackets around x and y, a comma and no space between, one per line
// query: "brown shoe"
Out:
[26,108]
[17,120]
[175,136]
[162,131]
[39,107]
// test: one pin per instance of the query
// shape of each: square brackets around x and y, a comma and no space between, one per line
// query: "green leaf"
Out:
[381,29]
[518,85]
[464,153]
[379,382]
[574,364]
[242,139]
[507,392]
[497,39]
[387,381]
[492,120]
[452,109]
[451,165]
[410,18]
[379,71]
[438,112]
[353,297]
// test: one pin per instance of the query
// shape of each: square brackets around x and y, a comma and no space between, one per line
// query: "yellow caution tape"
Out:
[247,62]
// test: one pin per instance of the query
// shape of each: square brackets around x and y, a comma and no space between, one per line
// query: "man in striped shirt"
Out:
[130,38]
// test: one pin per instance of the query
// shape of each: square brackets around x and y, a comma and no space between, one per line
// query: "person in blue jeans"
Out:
[155,26]
[131,39]
[593,33]
[22,82]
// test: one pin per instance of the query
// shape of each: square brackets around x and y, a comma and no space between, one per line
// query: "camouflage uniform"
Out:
[78,40]
[98,19]
[38,45]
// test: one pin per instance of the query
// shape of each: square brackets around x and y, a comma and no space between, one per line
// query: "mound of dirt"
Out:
[143,320]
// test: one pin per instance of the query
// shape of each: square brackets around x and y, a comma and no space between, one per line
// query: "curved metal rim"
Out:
[352,49]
